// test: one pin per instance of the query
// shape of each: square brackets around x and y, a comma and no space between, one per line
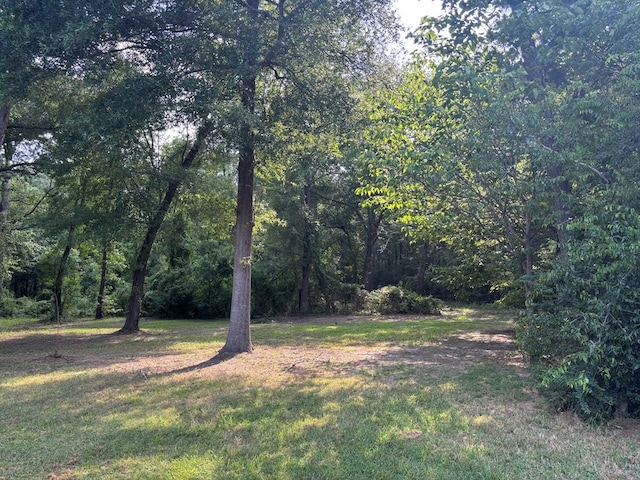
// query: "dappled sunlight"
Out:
[447,387]
[156,419]
[443,421]
[298,427]
[158,467]
[335,385]
[130,410]
[194,345]
[473,450]
[392,330]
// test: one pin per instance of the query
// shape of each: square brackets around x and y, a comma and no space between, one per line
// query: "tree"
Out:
[573,62]
[44,44]
[295,42]
[22,143]
[142,258]
[582,325]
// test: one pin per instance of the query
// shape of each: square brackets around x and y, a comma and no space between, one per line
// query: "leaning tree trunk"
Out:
[132,320]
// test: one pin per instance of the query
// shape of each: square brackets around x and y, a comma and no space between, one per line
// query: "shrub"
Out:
[585,322]
[341,298]
[23,307]
[393,299]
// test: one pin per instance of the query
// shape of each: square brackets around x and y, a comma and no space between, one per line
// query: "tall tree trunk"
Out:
[305,289]
[239,334]
[103,282]
[423,254]
[373,230]
[62,269]
[4,215]
[132,320]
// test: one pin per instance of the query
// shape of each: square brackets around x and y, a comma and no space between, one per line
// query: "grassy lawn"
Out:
[359,398]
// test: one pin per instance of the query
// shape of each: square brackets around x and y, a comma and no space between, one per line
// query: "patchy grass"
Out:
[333,398]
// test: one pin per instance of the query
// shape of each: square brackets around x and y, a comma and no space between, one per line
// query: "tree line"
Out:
[190,158]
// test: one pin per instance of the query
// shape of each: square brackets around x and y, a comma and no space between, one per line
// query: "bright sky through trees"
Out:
[411,11]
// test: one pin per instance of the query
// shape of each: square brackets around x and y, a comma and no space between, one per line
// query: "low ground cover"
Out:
[391,397]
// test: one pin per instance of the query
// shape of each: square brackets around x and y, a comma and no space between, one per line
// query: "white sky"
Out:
[411,11]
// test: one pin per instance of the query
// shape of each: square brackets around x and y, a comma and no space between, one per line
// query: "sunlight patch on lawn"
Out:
[482,420]
[158,419]
[42,379]
[447,387]
[209,345]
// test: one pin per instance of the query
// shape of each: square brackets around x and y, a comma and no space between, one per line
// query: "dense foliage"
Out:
[585,320]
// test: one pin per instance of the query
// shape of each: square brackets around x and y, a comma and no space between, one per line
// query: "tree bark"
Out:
[132,320]
[4,215]
[305,289]
[62,269]
[239,335]
[103,282]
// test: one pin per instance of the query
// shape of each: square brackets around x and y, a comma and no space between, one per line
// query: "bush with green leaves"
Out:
[585,322]
[23,307]
[393,299]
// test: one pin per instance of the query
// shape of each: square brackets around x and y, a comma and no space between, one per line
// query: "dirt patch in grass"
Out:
[457,352]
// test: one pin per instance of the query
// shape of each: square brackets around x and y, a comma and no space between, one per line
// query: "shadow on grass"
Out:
[309,430]
[219,358]
[231,428]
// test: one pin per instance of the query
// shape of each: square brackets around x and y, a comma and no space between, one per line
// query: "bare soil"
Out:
[455,353]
